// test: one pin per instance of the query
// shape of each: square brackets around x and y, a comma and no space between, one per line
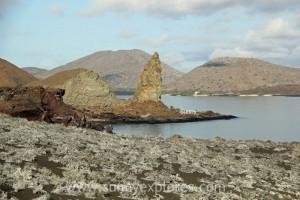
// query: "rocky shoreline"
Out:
[82,98]
[41,104]
[119,119]
[51,161]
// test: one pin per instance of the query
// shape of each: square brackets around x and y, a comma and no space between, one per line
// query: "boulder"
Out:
[88,91]
[150,82]
[43,104]
[109,129]
[36,103]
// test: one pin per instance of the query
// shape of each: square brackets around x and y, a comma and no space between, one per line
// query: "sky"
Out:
[186,33]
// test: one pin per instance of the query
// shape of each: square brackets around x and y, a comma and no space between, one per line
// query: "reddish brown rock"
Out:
[84,89]
[36,103]
[176,136]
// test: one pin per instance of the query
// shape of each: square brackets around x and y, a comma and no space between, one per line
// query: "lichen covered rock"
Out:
[76,163]
[150,82]
[88,91]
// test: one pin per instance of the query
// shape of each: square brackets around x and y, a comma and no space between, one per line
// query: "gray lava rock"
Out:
[68,161]
[109,129]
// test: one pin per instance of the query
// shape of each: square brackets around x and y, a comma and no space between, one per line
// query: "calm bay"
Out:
[261,118]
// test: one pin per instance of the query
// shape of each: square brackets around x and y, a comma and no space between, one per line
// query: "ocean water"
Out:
[262,118]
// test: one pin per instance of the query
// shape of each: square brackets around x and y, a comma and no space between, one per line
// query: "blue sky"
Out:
[186,33]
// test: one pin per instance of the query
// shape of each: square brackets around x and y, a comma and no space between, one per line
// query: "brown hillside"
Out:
[35,71]
[11,75]
[223,75]
[58,79]
[121,69]
[278,89]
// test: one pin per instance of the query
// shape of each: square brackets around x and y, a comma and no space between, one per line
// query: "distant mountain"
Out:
[120,68]
[239,75]
[36,72]
[11,75]
[57,79]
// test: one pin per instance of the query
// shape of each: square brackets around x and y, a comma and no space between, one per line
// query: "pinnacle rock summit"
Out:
[150,82]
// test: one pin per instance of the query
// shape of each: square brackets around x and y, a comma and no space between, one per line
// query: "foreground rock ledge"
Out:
[57,162]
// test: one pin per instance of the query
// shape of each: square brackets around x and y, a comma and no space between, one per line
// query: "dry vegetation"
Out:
[57,79]
[224,75]
[11,75]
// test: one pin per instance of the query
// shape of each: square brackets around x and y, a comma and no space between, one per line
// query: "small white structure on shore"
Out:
[189,112]
[198,94]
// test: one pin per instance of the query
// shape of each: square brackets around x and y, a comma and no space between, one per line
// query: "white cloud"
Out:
[174,57]
[185,7]
[234,52]
[273,5]
[127,33]
[278,41]
[294,59]
[277,33]
[57,9]
[156,42]
[280,28]
[297,19]
[181,61]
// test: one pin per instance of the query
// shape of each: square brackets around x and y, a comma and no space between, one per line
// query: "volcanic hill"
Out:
[36,72]
[240,75]
[120,68]
[58,78]
[11,75]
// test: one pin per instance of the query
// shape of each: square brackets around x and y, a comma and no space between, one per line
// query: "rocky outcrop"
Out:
[83,99]
[156,112]
[150,82]
[88,91]
[146,105]
[36,103]
[46,104]
[84,89]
